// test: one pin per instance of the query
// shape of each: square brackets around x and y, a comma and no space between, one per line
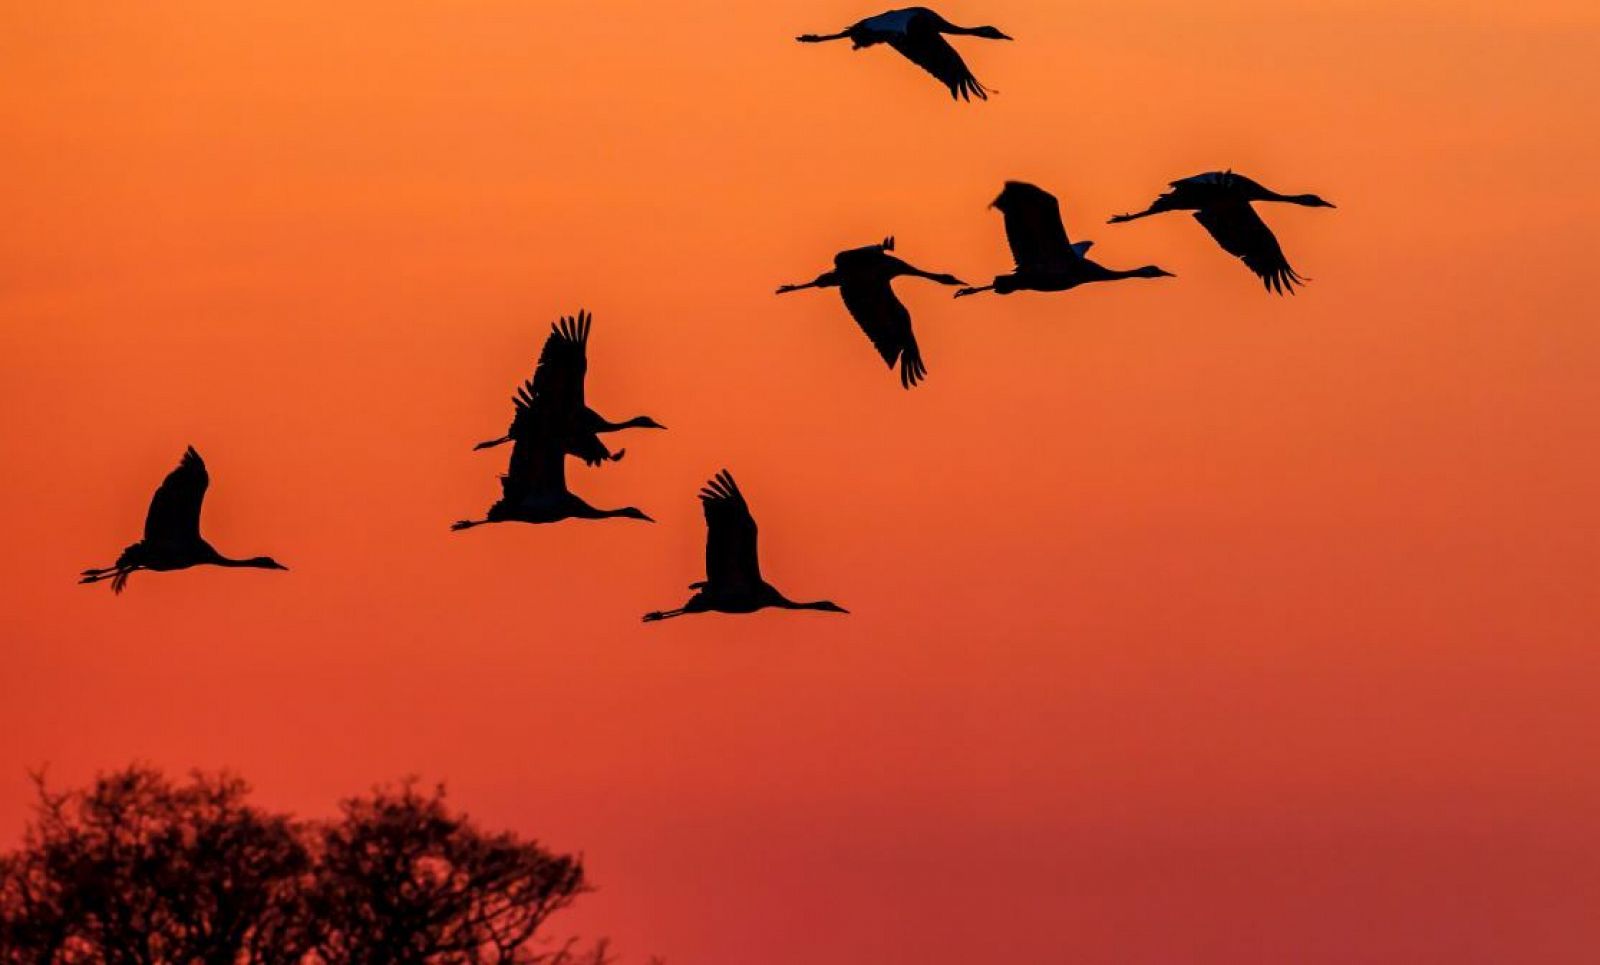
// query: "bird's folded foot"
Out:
[964,292]
[461,524]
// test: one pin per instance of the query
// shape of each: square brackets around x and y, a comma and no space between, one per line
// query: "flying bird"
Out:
[534,487]
[862,276]
[1221,201]
[566,347]
[733,582]
[916,33]
[1046,260]
[172,538]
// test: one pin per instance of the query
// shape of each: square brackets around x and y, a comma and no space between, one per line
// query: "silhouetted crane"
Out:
[1220,201]
[1046,260]
[534,487]
[733,582]
[172,531]
[862,276]
[915,33]
[570,338]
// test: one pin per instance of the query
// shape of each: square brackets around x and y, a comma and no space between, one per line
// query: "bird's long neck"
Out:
[583,510]
[1146,271]
[789,604]
[992,33]
[937,276]
[637,422]
[255,562]
[1309,200]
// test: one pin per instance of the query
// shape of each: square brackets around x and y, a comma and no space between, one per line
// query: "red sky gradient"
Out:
[1190,624]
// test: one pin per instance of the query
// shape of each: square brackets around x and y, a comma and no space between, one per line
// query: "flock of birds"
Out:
[551,419]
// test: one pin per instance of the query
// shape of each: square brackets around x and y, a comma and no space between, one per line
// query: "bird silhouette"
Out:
[733,582]
[1221,201]
[534,487]
[1046,260]
[862,276]
[916,33]
[567,346]
[172,538]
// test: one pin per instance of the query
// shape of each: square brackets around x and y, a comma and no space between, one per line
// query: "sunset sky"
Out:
[1189,624]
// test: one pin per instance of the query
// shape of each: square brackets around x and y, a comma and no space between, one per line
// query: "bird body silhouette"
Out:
[172,538]
[733,582]
[549,417]
[917,34]
[1221,202]
[569,347]
[863,277]
[1046,261]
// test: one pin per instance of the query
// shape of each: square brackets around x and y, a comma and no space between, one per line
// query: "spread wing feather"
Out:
[174,515]
[887,323]
[1242,233]
[731,560]
[927,48]
[1034,230]
[564,361]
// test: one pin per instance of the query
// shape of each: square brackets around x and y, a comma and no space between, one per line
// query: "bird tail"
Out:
[491,443]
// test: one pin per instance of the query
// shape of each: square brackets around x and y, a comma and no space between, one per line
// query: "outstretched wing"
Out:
[886,322]
[522,417]
[926,47]
[1034,230]
[1242,233]
[563,363]
[1225,183]
[731,562]
[174,515]
[1212,179]
[537,472]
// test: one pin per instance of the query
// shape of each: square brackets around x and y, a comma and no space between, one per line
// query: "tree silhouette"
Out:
[402,879]
[138,870]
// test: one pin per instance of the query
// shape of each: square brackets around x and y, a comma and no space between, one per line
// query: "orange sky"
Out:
[1190,624]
